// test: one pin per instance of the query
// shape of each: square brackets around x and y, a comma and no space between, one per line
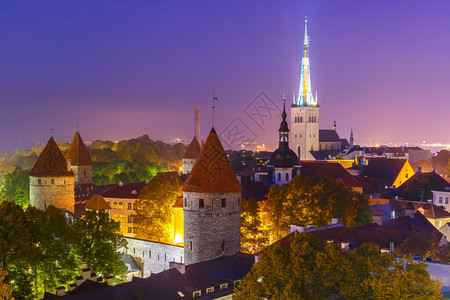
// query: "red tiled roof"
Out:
[332,171]
[429,210]
[126,191]
[212,172]
[178,202]
[51,162]
[193,150]
[97,202]
[385,168]
[77,152]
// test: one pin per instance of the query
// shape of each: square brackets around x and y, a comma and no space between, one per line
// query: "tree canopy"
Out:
[16,187]
[99,244]
[313,269]
[154,217]
[312,200]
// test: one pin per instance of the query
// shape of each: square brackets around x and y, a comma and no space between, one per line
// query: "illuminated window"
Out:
[210,290]
[201,203]
[120,205]
[115,205]
[196,294]
[223,286]
[224,202]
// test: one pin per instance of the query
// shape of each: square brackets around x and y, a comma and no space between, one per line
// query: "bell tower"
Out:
[305,111]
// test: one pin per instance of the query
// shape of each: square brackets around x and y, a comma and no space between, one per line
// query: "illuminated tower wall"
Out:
[305,112]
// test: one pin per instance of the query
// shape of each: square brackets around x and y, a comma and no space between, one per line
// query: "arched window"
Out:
[298,150]
[279,176]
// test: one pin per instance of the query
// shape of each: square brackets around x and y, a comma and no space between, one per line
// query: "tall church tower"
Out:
[305,111]
[52,179]
[211,205]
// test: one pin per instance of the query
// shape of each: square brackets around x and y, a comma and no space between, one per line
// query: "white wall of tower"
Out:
[304,130]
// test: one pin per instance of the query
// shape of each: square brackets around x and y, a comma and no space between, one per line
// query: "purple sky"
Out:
[127,68]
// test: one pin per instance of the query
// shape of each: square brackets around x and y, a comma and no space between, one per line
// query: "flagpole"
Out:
[213,99]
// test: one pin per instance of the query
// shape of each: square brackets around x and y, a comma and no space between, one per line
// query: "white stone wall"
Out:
[211,230]
[188,163]
[442,198]
[280,175]
[83,174]
[56,191]
[155,256]
[304,134]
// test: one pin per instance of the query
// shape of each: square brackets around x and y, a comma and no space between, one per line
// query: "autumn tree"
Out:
[419,242]
[154,217]
[312,200]
[5,289]
[313,269]
[16,187]
[99,244]
[254,235]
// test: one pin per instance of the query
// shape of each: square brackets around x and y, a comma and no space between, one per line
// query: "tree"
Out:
[312,200]
[313,269]
[99,244]
[5,289]
[154,217]
[16,187]
[254,236]
[419,242]
[447,169]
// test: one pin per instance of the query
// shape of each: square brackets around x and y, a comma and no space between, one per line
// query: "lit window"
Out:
[120,205]
[196,294]
[223,286]
[115,205]
[210,290]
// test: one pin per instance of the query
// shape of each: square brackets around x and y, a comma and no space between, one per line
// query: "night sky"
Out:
[126,68]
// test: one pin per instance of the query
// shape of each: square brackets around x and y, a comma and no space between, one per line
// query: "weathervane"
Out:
[214,98]
[51,131]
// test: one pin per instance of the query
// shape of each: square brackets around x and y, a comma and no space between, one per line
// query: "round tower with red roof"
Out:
[211,205]
[52,179]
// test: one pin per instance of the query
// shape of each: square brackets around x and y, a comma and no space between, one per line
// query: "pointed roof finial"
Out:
[51,131]
[334,125]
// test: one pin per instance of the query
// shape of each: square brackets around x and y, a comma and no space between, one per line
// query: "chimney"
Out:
[345,245]
[419,170]
[197,123]
[84,264]
[86,273]
[391,247]
[109,280]
[297,227]
[179,266]
[409,209]
[69,164]
[377,216]
[60,291]
[334,221]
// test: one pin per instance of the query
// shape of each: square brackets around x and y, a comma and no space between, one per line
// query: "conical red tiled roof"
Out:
[97,202]
[193,150]
[212,172]
[51,162]
[77,152]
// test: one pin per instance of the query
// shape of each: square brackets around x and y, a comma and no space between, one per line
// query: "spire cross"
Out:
[51,131]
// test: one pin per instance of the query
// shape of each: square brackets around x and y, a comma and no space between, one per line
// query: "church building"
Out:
[308,141]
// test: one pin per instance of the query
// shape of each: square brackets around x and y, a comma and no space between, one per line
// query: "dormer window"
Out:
[134,192]
[196,294]
[209,290]
[223,286]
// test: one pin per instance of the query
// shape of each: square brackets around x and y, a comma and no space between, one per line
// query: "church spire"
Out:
[305,97]
[283,132]
[351,137]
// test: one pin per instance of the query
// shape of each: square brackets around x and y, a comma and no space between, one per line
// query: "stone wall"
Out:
[187,165]
[83,174]
[210,228]
[56,191]
[154,256]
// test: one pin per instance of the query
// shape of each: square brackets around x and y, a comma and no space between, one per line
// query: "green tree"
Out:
[313,269]
[254,236]
[312,200]
[99,244]
[419,242]
[154,217]
[16,187]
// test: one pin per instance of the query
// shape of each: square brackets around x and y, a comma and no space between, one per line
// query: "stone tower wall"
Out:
[305,133]
[56,191]
[83,174]
[188,164]
[212,230]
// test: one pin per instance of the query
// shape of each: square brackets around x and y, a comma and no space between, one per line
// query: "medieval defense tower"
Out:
[80,161]
[52,179]
[305,111]
[211,205]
